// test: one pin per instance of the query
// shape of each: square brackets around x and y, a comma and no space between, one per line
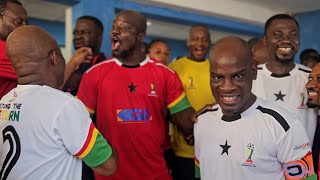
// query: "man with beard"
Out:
[12,16]
[87,38]
[313,88]
[129,94]
[245,137]
[280,79]
[193,71]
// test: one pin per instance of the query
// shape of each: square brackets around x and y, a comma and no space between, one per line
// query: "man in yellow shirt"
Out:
[193,71]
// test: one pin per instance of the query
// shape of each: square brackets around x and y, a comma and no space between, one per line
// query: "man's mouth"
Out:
[229,99]
[312,93]
[199,51]
[78,44]
[115,43]
[285,49]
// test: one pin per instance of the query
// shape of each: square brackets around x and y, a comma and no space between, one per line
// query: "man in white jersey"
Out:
[313,87]
[281,80]
[44,132]
[245,137]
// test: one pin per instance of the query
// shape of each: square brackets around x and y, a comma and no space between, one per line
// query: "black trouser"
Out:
[183,169]
[315,149]
[87,173]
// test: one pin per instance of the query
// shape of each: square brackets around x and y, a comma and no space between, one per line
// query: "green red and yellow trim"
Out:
[90,141]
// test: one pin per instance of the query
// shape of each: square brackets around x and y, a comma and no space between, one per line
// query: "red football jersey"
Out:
[129,103]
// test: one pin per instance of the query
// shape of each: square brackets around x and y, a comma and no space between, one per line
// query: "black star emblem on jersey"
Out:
[132,88]
[225,148]
[280,96]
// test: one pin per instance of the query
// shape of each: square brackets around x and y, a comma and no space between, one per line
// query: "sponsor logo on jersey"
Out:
[191,83]
[302,98]
[249,153]
[133,115]
[301,146]
[153,90]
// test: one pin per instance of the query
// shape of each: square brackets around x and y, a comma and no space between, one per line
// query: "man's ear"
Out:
[141,36]
[254,70]
[53,57]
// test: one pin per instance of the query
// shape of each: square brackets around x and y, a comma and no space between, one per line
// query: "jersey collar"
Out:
[134,66]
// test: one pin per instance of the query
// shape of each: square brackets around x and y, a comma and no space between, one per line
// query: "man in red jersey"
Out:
[129,94]
[12,16]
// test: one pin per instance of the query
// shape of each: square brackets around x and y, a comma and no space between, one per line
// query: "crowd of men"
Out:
[246,112]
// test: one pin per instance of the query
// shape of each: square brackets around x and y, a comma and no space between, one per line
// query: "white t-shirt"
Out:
[41,133]
[290,90]
[252,145]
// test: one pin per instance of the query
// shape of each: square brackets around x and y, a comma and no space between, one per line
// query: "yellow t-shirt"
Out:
[195,78]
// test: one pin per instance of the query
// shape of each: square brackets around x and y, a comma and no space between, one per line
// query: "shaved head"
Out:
[29,42]
[35,56]
[232,46]
[134,18]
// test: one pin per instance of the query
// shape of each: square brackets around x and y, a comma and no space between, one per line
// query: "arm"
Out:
[294,151]
[183,120]
[109,166]
[81,55]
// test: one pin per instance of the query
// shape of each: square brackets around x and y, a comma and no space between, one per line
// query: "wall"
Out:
[309,31]
[56,29]
[105,10]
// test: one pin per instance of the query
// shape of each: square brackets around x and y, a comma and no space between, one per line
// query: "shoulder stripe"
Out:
[304,70]
[101,63]
[206,110]
[91,139]
[276,116]
[159,64]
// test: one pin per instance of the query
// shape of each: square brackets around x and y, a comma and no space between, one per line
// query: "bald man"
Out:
[129,95]
[245,137]
[45,132]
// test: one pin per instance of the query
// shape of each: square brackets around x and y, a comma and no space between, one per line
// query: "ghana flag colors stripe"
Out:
[91,139]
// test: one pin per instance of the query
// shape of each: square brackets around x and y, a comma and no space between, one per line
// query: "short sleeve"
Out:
[78,134]
[176,99]
[88,90]
[293,144]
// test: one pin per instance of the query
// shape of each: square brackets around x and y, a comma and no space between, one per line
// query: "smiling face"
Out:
[231,75]
[160,51]
[198,43]
[282,40]
[313,87]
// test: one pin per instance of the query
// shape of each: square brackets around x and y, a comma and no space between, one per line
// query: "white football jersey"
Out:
[289,89]
[253,145]
[40,133]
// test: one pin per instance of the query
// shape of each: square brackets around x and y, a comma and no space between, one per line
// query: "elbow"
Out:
[109,167]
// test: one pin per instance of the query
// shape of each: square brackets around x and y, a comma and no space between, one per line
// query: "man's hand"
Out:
[81,55]
[201,111]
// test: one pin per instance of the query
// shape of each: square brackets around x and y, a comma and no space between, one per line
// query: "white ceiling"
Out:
[45,10]
[42,9]
[291,6]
